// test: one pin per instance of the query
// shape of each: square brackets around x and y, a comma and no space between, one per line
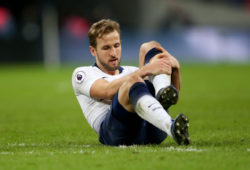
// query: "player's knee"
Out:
[123,95]
[134,79]
[145,47]
[130,81]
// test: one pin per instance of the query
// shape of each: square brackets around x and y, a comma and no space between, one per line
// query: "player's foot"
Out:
[167,96]
[180,130]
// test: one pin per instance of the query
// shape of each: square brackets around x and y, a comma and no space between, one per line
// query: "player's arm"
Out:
[176,73]
[103,89]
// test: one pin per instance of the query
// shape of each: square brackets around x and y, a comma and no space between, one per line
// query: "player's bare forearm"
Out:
[103,89]
[176,73]
[176,78]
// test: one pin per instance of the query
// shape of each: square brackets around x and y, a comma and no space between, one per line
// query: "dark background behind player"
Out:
[55,32]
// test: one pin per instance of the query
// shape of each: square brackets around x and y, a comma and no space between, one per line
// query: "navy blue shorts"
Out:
[121,127]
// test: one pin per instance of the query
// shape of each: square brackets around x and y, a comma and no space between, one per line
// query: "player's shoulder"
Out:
[82,68]
[85,69]
[83,72]
[130,68]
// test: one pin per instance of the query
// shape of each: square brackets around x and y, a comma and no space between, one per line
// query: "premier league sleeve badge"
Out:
[80,77]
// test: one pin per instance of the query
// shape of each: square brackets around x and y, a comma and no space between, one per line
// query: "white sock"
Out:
[148,108]
[160,81]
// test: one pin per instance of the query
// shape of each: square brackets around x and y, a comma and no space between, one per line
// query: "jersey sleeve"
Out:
[82,80]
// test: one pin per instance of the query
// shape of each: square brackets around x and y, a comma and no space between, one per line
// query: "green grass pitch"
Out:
[42,126]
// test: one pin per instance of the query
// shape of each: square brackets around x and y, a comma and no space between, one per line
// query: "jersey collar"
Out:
[120,68]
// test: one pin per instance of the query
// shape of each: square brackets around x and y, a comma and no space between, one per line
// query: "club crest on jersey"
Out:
[80,76]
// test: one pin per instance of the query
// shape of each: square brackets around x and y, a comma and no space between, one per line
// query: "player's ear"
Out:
[92,51]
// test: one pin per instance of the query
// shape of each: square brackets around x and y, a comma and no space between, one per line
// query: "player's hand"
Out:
[160,64]
[174,62]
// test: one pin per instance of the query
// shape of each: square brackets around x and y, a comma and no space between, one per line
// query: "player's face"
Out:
[108,52]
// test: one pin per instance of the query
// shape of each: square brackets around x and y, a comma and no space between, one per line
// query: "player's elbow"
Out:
[108,94]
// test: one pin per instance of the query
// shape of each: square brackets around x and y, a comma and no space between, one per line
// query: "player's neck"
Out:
[111,72]
[115,72]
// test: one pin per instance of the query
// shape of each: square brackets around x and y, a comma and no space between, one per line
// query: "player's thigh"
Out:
[119,127]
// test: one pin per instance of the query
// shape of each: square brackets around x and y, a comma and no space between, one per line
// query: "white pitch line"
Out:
[43,144]
[136,148]
[32,152]
[6,153]
[171,148]
[189,149]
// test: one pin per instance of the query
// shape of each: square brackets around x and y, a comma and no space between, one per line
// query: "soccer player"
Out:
[127,105]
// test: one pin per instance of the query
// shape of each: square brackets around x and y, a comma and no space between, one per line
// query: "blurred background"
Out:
[54,32]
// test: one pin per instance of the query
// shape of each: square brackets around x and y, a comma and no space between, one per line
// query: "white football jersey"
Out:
[93,109]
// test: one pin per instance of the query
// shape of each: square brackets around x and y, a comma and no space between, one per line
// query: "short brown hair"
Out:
[98,29]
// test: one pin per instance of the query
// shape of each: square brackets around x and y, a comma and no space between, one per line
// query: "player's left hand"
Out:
[161,64]
[174,62]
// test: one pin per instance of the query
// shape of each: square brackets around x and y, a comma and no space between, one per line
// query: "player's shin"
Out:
[148,108]
[160,81]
